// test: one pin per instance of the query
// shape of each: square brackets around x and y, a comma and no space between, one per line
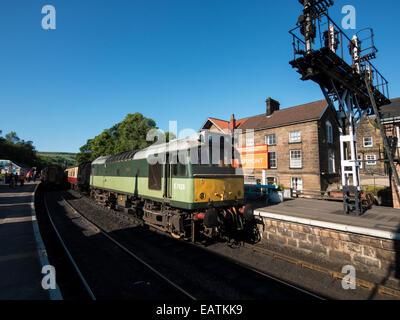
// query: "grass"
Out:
[63,159]
[373,188]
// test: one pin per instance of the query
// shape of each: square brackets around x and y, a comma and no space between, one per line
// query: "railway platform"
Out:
[22,253]
[376,220]
[319,232]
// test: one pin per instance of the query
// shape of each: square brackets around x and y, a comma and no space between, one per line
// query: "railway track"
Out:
[365,284]
[199,255]
[74,264]
[81,274]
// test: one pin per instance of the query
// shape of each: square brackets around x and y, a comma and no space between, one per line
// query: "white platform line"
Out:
[54,294]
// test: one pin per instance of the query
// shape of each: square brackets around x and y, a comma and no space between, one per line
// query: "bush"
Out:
[2,177]
[281,187]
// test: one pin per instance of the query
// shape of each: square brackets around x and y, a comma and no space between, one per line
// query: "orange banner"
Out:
[253,158]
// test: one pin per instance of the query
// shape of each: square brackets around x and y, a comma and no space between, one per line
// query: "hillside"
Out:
[63,159]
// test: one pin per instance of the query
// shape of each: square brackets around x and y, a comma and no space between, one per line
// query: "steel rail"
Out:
[243,265]
[129,252]
[260,272]
[78,271]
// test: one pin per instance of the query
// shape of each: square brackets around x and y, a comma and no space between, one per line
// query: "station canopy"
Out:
[6,164]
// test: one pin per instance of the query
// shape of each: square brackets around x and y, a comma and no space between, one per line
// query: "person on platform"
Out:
[12,180]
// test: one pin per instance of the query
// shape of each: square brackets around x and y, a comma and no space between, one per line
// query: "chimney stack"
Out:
[272,106]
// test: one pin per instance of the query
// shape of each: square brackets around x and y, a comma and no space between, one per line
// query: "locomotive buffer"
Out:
[349,82]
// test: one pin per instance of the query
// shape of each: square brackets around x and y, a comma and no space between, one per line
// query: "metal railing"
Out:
[342,49]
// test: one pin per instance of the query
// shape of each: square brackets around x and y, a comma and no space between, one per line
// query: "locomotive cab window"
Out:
[179,170]
[224,153]
[217,155]
[155,175]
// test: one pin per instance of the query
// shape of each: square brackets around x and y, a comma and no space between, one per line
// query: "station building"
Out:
[302,144]
[370,147]
[391,121]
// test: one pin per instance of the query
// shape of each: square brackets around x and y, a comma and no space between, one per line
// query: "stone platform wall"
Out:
[370,255]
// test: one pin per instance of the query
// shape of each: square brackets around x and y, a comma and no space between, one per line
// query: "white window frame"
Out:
[269,160]
[360,158]
[331,162]
[371,159]
[296,163]
[295,136]
[329,132]
[294,183]
[365,145]
[267,140]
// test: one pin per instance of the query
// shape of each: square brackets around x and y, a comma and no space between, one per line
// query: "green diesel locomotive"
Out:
[172,191]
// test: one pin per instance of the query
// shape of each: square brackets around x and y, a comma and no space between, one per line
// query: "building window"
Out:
[331,162]
[360,158]
[249,141]
[271,181]
[371,160]
[272,164]
[296,184]
[368,142]
[270,140]
[295,159]
[329,132]
[295,137]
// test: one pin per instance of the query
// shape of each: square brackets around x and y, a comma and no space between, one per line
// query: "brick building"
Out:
[303,144]
[391,121]
[370,149]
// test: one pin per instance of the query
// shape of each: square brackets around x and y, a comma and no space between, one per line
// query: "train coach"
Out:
[53,177]
[182,199]
[72,177]
[78,177]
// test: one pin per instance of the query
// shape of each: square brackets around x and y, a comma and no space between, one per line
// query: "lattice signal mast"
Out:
[350,83]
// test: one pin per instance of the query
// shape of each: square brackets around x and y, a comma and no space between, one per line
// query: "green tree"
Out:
[85,153]
[131,133]
[19,151]
[128,135]
[12,137]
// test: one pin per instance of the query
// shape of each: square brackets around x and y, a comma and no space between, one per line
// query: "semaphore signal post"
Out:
[342,67]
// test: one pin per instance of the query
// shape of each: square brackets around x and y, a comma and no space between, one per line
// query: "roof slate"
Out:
[391,110]
[298,114]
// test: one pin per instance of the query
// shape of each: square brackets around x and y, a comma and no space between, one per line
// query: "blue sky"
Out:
[180,60]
